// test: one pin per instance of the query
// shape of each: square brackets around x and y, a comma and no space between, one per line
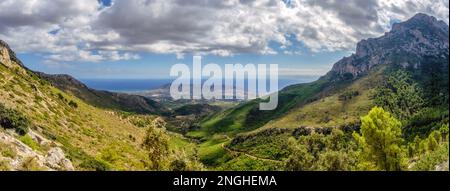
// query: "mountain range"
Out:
[72,126]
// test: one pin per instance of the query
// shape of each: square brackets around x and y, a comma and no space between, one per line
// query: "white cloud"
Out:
[88,56]
[290,52]
[84,30]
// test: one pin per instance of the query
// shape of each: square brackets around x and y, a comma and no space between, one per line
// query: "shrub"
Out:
[4,165]
[97,165]
[348,95]
[324,152]
[7,151]
[30,164]
[61,97]
[430,160]
[400,95]
[178,165]
[73,104]
[12,119]
[157,145]
[27,140]
[425,121]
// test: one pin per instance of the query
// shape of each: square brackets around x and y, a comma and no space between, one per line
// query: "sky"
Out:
[142,39]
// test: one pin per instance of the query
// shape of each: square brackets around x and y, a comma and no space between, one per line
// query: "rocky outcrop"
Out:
[442,167]
[406,44]
[21,157]
[56,159]
[7,55]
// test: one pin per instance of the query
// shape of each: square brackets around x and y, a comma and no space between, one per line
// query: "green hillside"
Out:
[315,124]
[105,99]
[92,138]
[384,108]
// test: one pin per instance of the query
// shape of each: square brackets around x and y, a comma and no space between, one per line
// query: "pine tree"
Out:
[381,141]
[157,145]
[400,95]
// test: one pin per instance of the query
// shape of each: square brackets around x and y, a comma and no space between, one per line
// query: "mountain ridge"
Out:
[333,105]
[104,99]
[345,72]
[43,127]
[420,36]
[6,53]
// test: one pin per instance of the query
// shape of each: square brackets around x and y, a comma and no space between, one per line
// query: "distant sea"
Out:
[125,85]
[140,85]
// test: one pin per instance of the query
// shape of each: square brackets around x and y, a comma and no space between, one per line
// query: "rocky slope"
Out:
[15,155]
[7,56]
[408,42]
[61,125]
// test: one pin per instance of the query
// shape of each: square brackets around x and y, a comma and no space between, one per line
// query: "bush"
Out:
[31,164]
[348,95]
[97,165]
[178,165]
[4,165]
[7,151]
[425,121]
[323,152]
[73,104]
[430,160]
[12,119]
[61,97]
[27,140]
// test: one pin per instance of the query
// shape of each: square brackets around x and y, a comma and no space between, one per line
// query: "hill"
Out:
[46,128]
[418,47]
[105,99]
[408,45]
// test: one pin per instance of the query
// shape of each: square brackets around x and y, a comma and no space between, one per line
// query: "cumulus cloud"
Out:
[45,13]
[86,30]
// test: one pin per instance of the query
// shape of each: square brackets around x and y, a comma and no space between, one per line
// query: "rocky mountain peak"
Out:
[407,43]
[421,20]
[7,55]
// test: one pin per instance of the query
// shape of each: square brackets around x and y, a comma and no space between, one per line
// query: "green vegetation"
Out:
[429,161]
[348,95]
[431,151]
[336,106]
[212,152]
[433,76]
[4,165]
[247,116]
[26,139]
[381,142]
[30,164]
[333,152]
[92,138]
[268,144]
[12,119]
[400,95]
[156,143]
[73,104]
[102,99]
[317,126]
[327,133]
[7,151]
